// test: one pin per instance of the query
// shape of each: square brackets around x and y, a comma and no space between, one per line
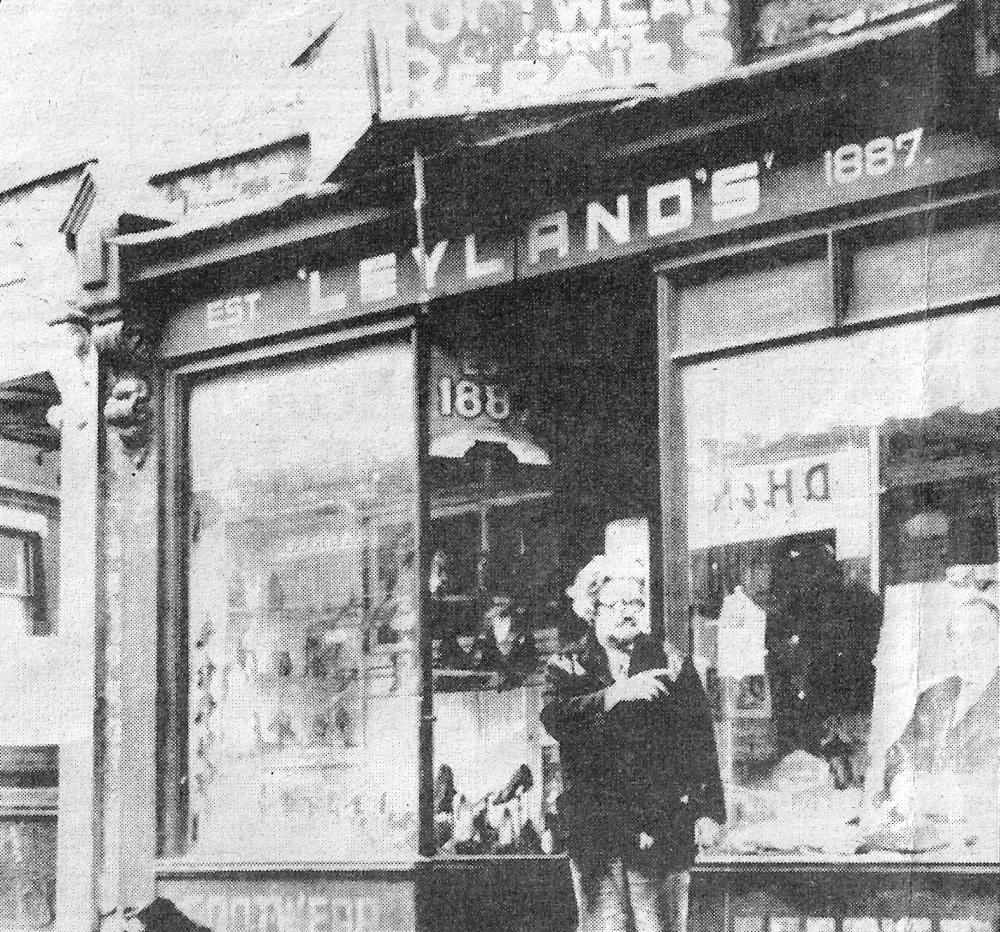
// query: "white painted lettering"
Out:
[570,11]
[522,78]
[735,191]
[423,69]
[377,278]
[265,904]
[906,924]
[821,924]
[860,924]
[784,924]
[713,52]
[615,225]
[251,301]
[966,925]
[294,914]
[216,913]
[239,914]
[342,918]
[480,268]
[319,914]
[445,31]
[429,263]
[463,82]
[626,12]
[548,233]
[677,193]
[661,8]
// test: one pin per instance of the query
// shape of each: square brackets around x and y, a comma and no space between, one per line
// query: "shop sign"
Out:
[681,206]
[732,504]
[858,924]
[892,898]
[289,906]
[442,57]
[243,179]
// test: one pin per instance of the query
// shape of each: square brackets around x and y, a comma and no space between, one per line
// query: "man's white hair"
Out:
[586,589]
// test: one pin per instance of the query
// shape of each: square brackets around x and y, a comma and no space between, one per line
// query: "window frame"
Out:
[962,211]
[32,595]
[31,803]
[172,847]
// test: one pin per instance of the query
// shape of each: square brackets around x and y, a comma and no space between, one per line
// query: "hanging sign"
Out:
[732,504]
[456,56]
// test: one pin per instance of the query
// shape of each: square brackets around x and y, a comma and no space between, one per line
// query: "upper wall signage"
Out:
[678,207]
[455,56]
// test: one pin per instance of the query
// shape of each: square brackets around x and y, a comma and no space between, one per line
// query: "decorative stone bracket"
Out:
[128,410]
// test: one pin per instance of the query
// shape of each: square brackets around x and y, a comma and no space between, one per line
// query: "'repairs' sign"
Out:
[453,56]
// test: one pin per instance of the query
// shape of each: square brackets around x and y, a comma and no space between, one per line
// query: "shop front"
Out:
[760,363]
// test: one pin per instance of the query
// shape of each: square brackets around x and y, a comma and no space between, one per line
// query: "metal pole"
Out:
[421,361]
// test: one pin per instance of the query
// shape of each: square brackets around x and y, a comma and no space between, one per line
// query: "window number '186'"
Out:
[469,399]
[875,158]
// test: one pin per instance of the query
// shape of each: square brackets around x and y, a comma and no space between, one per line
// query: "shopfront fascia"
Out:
[358,451]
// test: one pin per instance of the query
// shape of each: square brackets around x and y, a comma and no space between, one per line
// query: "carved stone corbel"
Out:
[72,365]
[128,411]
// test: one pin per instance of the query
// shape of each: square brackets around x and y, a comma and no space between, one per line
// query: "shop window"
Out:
[22,595]
[842,526]
[301,592]
[28,778]
[765,296]
[921,263]
[542,454]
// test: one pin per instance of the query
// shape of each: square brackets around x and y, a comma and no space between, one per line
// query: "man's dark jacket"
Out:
[644,766]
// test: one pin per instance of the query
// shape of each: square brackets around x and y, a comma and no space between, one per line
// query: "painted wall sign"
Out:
[455,56]
[677,207]
[295,906]
[888,900]
[858,924]
[266,174]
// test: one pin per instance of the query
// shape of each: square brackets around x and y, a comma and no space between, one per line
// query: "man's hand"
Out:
[641,686]
[706,832]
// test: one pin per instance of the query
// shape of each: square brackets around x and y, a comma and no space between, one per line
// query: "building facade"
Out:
[356,440]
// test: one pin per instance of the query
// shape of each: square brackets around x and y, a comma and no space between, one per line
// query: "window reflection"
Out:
[302,611]
[843,543]
[543,453]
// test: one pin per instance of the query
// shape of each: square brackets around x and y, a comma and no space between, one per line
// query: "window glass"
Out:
[542,454]
[22,596]
[760,296]
[302,695]
[842,525]
[28,801]
[921,262]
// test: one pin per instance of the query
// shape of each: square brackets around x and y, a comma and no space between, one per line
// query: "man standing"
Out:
[641,787]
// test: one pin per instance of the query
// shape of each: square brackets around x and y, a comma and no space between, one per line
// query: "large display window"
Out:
[302,678]
[843,499]
[542,453]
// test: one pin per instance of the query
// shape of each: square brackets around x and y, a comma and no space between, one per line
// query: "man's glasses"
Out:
[635,605]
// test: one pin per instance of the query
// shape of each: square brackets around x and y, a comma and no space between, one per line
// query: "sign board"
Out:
[295,905]
[888,898]
[439,57]
[678,204]
[733,504]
